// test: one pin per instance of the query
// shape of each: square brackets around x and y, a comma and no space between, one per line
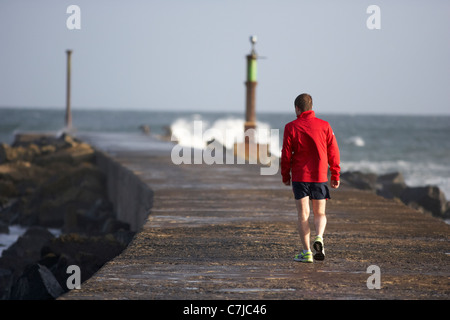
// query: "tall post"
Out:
[250,149]
[250,115]
[68,112]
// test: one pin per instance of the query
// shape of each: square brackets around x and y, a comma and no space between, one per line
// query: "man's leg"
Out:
[320,219]
[320,222]
[303,222]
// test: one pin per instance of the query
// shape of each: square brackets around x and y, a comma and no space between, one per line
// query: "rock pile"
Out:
[53,182]
[428,199]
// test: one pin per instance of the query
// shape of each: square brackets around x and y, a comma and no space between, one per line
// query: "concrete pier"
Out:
[227,232]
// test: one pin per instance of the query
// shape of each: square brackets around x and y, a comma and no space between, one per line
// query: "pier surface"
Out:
[227,232]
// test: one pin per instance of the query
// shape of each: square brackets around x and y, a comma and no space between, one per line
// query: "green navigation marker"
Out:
[251,67]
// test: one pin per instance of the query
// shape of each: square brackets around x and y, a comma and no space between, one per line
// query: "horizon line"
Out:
[135,109]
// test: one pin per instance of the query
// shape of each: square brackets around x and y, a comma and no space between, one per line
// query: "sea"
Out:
[418,146]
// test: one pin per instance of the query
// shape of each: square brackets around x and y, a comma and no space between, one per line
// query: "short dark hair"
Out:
[304,102]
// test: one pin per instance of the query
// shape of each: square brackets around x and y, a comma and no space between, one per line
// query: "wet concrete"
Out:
[227,232]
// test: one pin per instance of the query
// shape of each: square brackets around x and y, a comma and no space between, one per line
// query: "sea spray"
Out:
[226,131]
[198,143]
[356,141]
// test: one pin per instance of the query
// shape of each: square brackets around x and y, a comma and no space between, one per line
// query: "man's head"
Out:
[303,103]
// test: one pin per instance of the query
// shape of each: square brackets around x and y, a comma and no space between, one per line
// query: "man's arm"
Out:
[286,155]
[334,160]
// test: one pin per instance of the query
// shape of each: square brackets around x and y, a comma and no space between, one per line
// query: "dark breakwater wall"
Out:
[131,197]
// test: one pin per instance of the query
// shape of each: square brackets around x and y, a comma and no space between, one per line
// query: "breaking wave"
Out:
[197,132]
[413,173]
[356,141]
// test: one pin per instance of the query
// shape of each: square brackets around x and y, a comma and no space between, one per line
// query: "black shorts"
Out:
[315,190]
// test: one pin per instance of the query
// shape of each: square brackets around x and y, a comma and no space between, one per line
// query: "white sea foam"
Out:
[415,174]
[197,133]
[356,141]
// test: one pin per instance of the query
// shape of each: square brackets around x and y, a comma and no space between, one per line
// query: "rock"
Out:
[167,135]
[56,177]
[447,211]
[113,225]
[74,155]
[82,223]
[8,210]
[93,221]
[58,266]
[25,178]
[102,209]
[70,222]
[36,283]
[27,248]
[53,182]
[48,259]
[69,141]
[145,129]
[12,154]
[47,149]
[42,140]
[90,253]
[390,185]
[22,172]
[5,151]
[430,198]
[6,281]
[82,176]
[8,189]
[360,180]
[4,228]
[124,237]
[25,251]
[26,139]
[67,191]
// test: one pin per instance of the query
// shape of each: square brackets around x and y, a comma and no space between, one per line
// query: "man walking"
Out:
[309,147]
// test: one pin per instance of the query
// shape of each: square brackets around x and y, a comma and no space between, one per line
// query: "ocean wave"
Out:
[415,173]
[196,132]
[356,141]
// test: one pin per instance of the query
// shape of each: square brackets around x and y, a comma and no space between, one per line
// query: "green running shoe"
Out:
[304,257]
[318,246]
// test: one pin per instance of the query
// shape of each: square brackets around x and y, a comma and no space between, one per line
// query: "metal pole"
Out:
[68,112]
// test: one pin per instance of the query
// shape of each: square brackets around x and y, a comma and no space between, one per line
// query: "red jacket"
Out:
[309,146]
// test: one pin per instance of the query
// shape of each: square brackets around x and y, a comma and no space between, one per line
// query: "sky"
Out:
[189,55]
